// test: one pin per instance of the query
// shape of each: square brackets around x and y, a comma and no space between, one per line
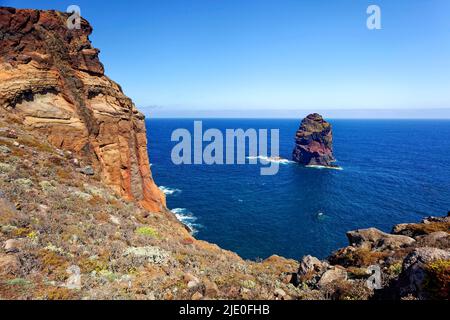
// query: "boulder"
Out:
[309,264]
[332,275]
[439,239]
[211,289]
[197,296]
[436,219]
[427,226]
[192,281]
[12,134]
[74,280]
[9,265]
[280,293]
[373,238]
[436,236]
[75,162]
[413,279]
[12,246]
[115,220]
[87,170]
[187,277]
[150,254]
[192,284]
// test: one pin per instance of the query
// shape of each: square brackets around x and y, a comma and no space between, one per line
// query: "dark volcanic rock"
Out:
[314,142]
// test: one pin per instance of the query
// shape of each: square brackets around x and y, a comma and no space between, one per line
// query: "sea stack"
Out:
[314,142]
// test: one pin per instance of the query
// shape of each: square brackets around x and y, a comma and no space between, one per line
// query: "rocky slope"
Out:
[56,222]
[51,80]
[70,232]
[314,142]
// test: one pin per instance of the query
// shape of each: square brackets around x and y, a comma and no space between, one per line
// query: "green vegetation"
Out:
[147,232]
[20,282]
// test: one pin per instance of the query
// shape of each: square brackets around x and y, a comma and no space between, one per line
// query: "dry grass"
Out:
[359,257]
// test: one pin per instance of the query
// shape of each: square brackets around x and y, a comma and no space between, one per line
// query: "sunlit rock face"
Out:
[52,80]
[314,142]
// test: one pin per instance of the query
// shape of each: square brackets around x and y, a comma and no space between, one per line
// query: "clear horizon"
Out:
[387,114]
[272,58]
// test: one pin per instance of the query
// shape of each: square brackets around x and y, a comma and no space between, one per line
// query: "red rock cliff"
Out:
[52,80]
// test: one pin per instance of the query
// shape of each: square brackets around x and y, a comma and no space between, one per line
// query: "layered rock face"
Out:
[52,81]
[314,142]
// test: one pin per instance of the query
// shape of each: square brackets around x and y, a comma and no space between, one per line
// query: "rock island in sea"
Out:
[314,143]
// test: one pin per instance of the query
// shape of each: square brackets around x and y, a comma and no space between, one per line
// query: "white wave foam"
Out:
[324,167]
[186,217]
[169,191]
[271,159]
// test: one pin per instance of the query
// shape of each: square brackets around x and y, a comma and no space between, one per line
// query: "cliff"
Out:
[314,142]
[52,81]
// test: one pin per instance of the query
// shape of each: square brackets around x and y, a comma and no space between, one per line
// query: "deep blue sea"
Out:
[394,171]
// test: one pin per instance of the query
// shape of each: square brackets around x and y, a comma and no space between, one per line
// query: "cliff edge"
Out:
[52,81]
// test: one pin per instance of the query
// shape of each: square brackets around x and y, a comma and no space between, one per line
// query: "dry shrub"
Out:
[60,293]
[64,174]
[32,142]
[101,216]
[437,282]
[345,290]
[96,201]
[358,273]
[88,265]
[53,264]
[54,160]
[359,257]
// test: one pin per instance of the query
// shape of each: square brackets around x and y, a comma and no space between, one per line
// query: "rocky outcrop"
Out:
[373,238]
[309,264]
[428,225]
[52,81]
[333,275]
[314,142]
[417,275]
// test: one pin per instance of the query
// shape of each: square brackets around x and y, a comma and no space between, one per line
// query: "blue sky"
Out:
[273,58]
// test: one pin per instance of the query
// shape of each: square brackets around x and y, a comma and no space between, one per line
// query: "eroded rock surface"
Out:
[417,277]
[314,142]
[373,238]
[52,81]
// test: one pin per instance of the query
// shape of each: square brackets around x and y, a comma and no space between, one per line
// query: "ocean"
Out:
[394,171]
